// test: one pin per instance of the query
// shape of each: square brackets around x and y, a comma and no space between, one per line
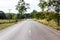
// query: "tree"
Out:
[49,16]
[21,6]
[2,15]
[56,4]
[37,15]
[42,4]
[9,16]
[33,14]
[14,16]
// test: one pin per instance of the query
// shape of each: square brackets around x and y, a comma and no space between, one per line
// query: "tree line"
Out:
[48,14]
[4,15]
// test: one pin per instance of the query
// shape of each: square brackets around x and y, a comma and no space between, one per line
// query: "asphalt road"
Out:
[29,30]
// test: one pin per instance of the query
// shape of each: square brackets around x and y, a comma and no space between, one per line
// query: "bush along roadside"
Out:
[51,23]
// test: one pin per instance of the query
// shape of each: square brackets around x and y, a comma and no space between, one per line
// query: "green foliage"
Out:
[21,6]
[9,15]
[14,16]
[56,4]
[2,15]
[43,5]
[49,16]
[38,15]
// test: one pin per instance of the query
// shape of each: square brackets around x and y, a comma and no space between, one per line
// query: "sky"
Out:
[5,5]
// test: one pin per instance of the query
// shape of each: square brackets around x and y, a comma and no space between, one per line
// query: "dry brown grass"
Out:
[51,23]
[1,21]
[3,26]
[6,21]
[41,21]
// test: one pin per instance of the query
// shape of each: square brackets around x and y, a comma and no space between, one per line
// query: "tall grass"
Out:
[51,23]
[7,21]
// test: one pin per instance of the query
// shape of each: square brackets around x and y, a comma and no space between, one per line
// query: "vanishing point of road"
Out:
[29,30]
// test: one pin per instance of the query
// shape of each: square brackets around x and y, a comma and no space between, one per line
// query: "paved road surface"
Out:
[29,30]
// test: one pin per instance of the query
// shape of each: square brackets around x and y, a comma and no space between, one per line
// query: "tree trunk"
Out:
[58,20]
[9,20]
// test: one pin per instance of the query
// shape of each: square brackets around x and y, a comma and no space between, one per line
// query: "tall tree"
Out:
[21,6]
[42,4]
[56,4]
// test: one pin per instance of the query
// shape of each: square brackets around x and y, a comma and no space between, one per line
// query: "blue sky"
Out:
[11,4]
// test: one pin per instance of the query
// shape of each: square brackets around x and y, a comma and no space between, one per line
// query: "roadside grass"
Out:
[51,23]
[5,23]
[3,26]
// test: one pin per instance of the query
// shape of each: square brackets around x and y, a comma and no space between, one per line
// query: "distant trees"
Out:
[19,16]
[9,16]
[2,15]
[13,16]
[44,15]
[38,15]
[33,14]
